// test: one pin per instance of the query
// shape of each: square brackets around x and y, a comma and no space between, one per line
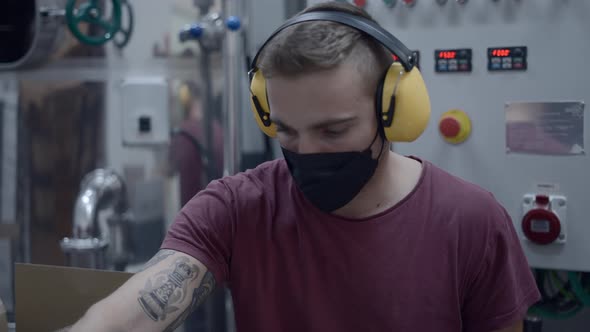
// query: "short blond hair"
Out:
[322,45]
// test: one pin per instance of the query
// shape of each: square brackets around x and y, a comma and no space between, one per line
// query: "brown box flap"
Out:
[50,297]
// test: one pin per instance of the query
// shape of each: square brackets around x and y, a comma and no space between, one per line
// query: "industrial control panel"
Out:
[507,58]
[508,82]
[452,60]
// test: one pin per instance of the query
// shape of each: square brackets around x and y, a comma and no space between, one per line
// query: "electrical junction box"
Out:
[144,108]
[544,219]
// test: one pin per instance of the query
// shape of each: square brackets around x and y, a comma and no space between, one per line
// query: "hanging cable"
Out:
[578,288]
[555,303]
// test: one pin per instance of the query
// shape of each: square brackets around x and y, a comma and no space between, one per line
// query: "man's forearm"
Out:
[159,298]
[93,320]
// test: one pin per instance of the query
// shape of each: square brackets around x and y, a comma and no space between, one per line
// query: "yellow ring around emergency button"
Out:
[458,117]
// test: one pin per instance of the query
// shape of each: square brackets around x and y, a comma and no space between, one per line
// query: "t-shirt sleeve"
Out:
[502,288]
[204,229]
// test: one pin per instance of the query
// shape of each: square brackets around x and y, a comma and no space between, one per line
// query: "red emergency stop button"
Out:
[449,127]
[360,3]
[454,126]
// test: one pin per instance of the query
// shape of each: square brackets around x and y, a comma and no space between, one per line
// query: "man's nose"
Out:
[306,144]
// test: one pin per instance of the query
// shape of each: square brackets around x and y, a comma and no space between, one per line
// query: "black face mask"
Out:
[331,180]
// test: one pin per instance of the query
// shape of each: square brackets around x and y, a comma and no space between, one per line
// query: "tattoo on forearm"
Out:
[167,289]
[160,256]
[200,294]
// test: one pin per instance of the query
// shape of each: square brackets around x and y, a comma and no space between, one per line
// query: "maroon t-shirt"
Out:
[446,258]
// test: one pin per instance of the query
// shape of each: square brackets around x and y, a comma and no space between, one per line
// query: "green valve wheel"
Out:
[92,13]
[124,34]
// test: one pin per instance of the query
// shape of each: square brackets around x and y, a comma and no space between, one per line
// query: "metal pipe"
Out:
[203,6]
[207,46]
[211,167]
[232,60]
[233,56]
[100,189]
[96,243]
[47,32]
[219,317]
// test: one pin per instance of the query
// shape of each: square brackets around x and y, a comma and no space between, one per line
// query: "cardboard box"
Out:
[51,297]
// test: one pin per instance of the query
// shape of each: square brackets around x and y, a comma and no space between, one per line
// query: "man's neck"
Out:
[395,177]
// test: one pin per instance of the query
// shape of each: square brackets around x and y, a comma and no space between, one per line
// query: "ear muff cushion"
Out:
[259,104]
[412,104]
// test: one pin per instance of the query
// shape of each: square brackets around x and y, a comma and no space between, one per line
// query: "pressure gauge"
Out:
[441,2]
[409,3]
[390,3]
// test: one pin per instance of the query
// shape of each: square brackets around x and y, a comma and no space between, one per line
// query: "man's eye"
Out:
[335,133]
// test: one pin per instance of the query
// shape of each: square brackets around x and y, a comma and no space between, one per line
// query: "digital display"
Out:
[501,52]
[507,58]
[447,55]
[452,60]
[417,53]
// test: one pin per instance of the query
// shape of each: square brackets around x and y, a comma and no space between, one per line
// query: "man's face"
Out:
[327,111]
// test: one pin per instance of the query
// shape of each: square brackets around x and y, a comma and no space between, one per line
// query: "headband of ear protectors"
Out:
[401,100]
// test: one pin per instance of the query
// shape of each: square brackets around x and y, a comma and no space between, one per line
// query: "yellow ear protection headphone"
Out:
[402,100]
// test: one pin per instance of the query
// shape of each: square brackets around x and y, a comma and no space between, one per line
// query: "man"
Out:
[411,248]
[189,152]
